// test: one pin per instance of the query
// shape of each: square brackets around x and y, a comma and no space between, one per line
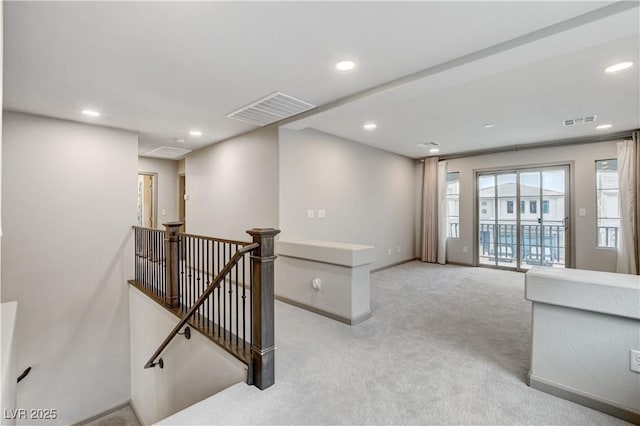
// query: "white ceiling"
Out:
[164,68]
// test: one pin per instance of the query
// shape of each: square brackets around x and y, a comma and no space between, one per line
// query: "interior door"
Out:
[146,214]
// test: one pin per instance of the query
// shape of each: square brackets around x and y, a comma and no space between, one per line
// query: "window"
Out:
[533,207]
[510,207]
[545,206]
[453,205]
[607,203]
[522,207]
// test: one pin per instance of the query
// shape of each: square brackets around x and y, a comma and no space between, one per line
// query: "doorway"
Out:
[147,200]
[523,218]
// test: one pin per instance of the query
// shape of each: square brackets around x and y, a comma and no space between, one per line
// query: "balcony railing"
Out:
[222,288]
[608,236]
[539,244]
[454,230]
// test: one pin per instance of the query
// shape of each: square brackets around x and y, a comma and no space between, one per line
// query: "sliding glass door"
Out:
[522,218]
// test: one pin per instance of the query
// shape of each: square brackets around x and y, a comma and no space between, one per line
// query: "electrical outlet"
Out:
[634,360]
[316,283]
[310,214]
[465,249]
[389,252]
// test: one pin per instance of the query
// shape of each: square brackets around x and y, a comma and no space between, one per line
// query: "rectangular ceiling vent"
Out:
[580,120]
[168,152]
[270,109]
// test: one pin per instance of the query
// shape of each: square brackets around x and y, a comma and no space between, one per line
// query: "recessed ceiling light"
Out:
[195,133]
[370,126]
[434,150]
[345,66]
[90,113]
[489,125]
[618,67]
[604,126]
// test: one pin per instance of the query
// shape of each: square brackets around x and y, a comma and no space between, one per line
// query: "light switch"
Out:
[309,214]
[164,212]
[186,197]
[582,212]
[322,214]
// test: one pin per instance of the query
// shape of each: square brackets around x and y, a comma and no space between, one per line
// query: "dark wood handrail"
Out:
[184,234]
[221,240]
[144,227]
[216,282]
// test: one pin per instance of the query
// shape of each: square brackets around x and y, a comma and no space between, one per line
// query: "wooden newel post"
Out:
[172,252]
[262,295]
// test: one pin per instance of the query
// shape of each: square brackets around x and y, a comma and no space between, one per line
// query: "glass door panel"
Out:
[486,219]
[531,250]
[554,217]
[506,238]
[522,218]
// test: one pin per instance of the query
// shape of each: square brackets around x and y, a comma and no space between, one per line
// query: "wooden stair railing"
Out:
[216,282]
[182,273]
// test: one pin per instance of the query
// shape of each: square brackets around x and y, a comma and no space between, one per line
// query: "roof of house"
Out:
[509,189]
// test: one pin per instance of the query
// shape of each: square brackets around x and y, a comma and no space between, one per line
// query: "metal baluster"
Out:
[218,289]
[251,301]
[154,258]
[230,295]
[194,295]
[187,265]
[181,268]
[206,305]
[244,306]
[202,287]
[137,257]
[237,302]
[224,300]
[143,259]
[153,265]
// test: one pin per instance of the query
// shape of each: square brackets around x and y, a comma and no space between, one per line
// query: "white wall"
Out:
[8,362]
[233,186]
[1,97]
[585,253]
[193,369]
[166,187]
[69,200]
[368,194]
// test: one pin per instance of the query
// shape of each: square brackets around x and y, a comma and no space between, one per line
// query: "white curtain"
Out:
[430,210]
[442,212]
[627,260]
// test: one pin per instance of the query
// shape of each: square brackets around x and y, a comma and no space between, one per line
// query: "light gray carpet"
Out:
[122,417]
[445,345]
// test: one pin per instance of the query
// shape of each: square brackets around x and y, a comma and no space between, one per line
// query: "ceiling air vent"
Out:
[269,109]
[580,120]
[167,152]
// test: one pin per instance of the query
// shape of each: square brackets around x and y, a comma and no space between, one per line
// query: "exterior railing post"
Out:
[172,251]
[262,370]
